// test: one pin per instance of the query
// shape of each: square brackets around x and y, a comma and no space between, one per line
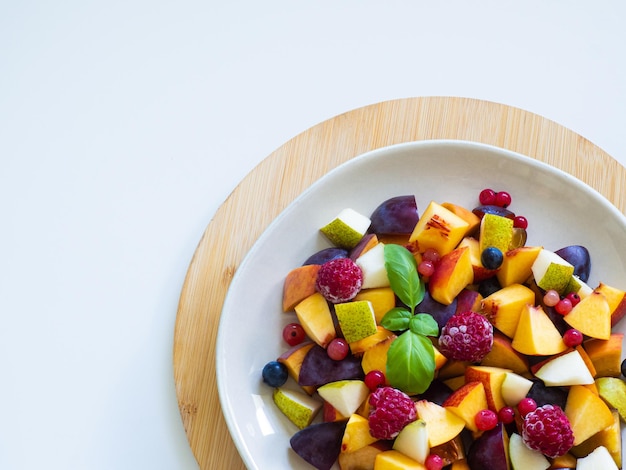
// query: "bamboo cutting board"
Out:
[285,173]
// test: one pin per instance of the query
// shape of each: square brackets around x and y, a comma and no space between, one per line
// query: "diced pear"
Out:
[600,458]
[299,407]
[344,395]
[347,229]
[495,231]
[356,320]
[515,388]
[565,370]
[577,286]
[372,264]
[523,457]
[413,441]
[613,391]
[439,228]
[551,271]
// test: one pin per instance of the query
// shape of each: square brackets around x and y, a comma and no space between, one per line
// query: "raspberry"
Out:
[547,430]
[391,410]
[339,280]
[467,336]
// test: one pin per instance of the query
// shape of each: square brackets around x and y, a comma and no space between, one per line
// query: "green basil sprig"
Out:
[411,357]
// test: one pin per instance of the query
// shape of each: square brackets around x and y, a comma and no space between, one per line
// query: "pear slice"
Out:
[413,441]
[523,457]
[613,391]
[495,231]
[372,264]
[565,370]
[551,271]
[599,458]
[356,320]
[515,388]
[347,229]
[344,395]
[299,407]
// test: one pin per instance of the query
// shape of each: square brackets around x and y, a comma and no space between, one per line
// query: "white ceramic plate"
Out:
[561,211]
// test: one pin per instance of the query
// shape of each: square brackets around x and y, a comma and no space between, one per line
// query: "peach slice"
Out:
[453,273]
[591,316]
[466,402]
[536,335]
[299,284]
[586,412]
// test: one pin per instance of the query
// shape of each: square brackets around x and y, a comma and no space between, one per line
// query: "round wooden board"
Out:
[285,173]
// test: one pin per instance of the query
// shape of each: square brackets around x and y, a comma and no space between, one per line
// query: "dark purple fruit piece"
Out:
[397,215]
[440,312]
[489,286]
[624,367]
[319,444]
[544,395]
[437,392]
[355,252]
[579,257]
[319,369]
[488,450]
[467,300]
[557,319]
[325,255]
[493,209]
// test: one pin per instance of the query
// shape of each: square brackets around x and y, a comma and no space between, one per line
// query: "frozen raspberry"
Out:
[548,431]
[391,410]
[339,280]
[467,336]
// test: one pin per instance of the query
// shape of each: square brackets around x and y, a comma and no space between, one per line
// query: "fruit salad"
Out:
[437,338]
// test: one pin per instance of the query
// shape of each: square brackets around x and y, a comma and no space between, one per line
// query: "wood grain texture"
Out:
[285,173]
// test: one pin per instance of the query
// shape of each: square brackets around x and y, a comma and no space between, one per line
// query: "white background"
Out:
[125,124]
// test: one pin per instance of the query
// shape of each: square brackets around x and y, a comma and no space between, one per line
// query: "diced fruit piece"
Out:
[362,345]
[372,265]
[369,241]
[299,407]
[480,271]
[551,271]
[599,458]
[442,424]
[450,452]
[492,379]
[605,354]
[329,413]
[437,392]
[578,256]
[346,229]
[375,358]
[452,274]
[543,395]
[514,388]
[610,437]
[413,441]
[468,299]
[326,254]
[613,391]
[503,355]
[536,335]
[617,301]
[314,315]
[591,316]
[299,284]
[440,312]
[525,458]
[495,231]
[357,434]
[438,228]
[382,299]
[362,459]
[578,287]
[319,444]
[563,462]
[586,412]
[466,402]
[356,320]
[395,460]
[467,215]
[490,450]
[503,307]
[565,370]
[319,369]
[396,215]
[293,358]
[344,395]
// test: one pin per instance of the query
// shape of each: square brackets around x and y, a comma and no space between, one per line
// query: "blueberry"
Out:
[274,374]
[491,257]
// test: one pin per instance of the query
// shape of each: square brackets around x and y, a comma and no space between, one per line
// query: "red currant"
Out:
[574,298]
[337,349]
[519,221]
[374,379]
[431,255]
[506,414]
[293,334]
[433,462]
[503,199]
[563,307]
[486,420]
[551,298]
[572,338]
[526,405]
[426,268]
[487,197]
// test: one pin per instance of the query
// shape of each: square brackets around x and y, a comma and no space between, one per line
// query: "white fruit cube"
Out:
[565,370]
[299,407]
[347,229]
[551,271]
[344,395]
[372,264]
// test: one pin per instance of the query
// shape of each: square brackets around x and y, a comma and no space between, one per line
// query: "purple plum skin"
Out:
[491,209]
[326,254]
[319,444]
[578,256]
[488,450]
[440,312]
[319,369]
[395,216]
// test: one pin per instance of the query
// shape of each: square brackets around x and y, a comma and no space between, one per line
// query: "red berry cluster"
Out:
[489,197]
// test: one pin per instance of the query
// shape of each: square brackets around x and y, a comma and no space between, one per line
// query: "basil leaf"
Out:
[424,324]
[402,273]
[396,319]
[411,363]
